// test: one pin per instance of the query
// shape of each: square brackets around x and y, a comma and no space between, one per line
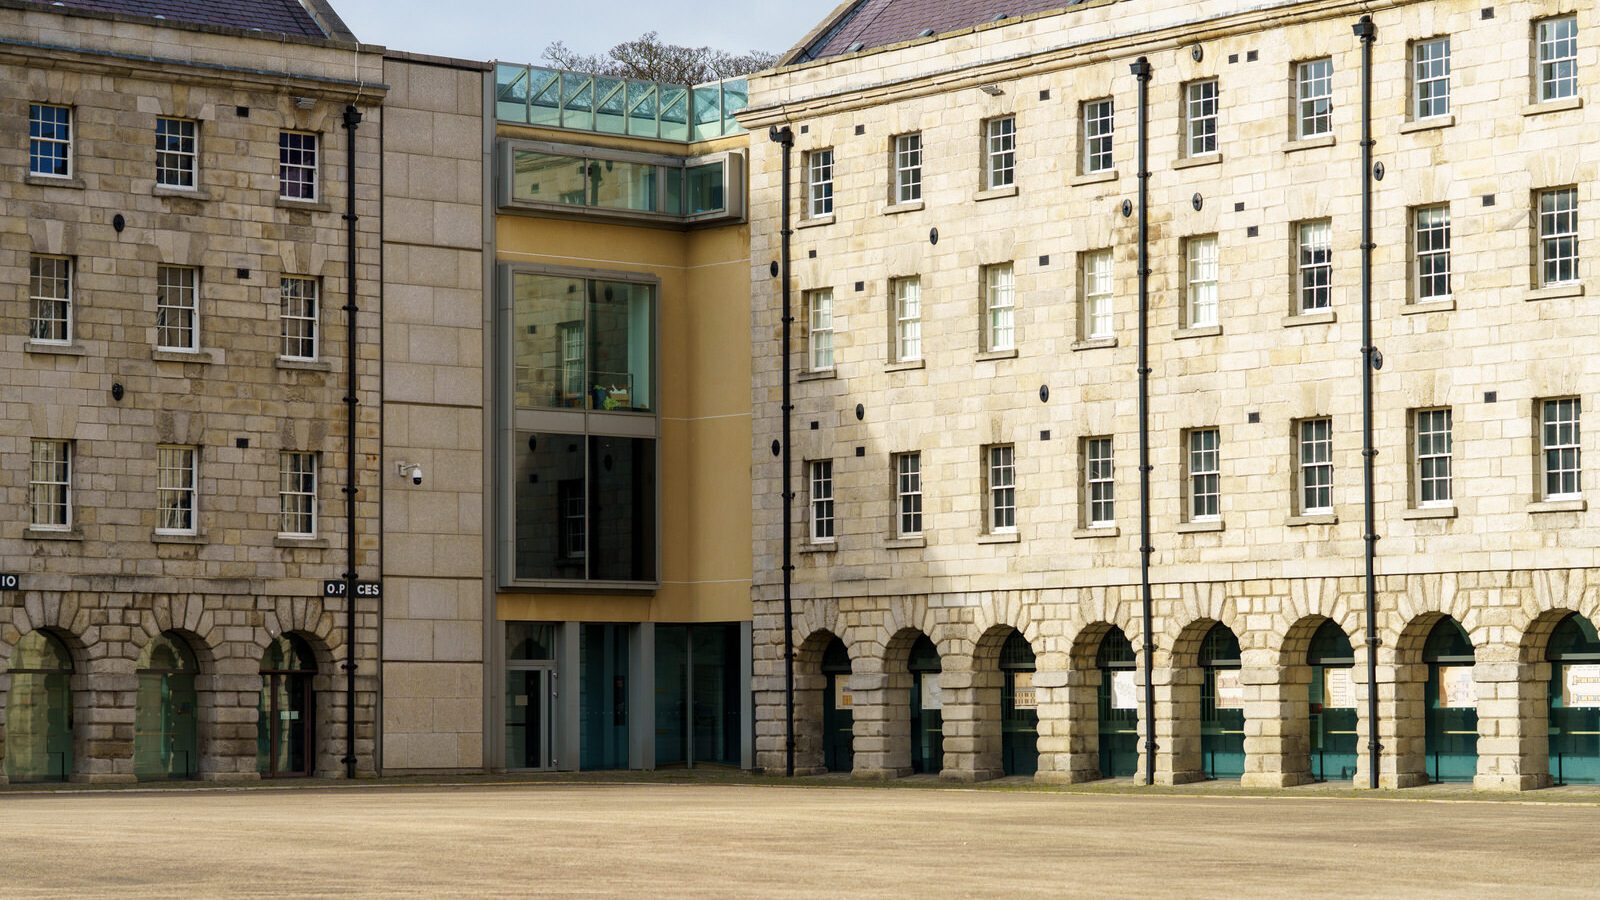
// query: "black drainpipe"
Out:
[1371,360]
[1141,71]
[785,137]
[352,120]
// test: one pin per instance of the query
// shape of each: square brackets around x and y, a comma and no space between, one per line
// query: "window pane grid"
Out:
[1433,457]
[175,490]
[1202,282]
[1433,253]
[1097,313]
[1205,479]
[908,493]
[1563,470]
[819,181]
[1002,155]
[297,299]
[1202,104]
[1314,80]
[1431,60]
[1558,236]
[297,494]
[50,140]
[820,333]
[50,299]
[908,168]
[1316,466]
[908,319]
[297,165]
[1099,122]
[1558,58]
[1316,266]
[1098,476]
[50,485]
[1000,296]
[822,500]
[175,153]
[177,308]
[1002,489]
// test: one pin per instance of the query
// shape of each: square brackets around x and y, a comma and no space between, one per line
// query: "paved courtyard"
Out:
[753,840]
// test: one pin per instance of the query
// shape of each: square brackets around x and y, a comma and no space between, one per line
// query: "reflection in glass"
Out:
[548,178]
[165,723]
[39,711]
[622,185]
[622,539]
[704,189]
[551,512]
[621,344]
[583,345]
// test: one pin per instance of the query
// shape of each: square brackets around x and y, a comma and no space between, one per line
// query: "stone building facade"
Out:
[983,323]
[174,441]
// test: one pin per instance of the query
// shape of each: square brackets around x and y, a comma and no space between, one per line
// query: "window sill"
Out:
[180,193]
[815,221]
[191,539]
[906,365]
[1555,293]
[1550,106]
[1431,123]
[1320,317]
[1199,527]
[1004,537]
[1195,162]
[301,543]
[304,365]
[830,547]
[895,209]
[200,357]
[992,355]
[1312,519]
[73,183]
[52,534]
[1094,344]
[906,543]
[47,349]
[1559,506]
[1094,178]
[817,375]
[1310,143]
[1199,331]
[1429,512]
[1097,531]
[304,205]
[1009,190]
[1428,306]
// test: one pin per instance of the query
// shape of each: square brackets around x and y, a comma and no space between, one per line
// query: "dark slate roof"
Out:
[271,16]
[879,23]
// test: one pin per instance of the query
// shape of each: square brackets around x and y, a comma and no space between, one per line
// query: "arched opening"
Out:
[1019,708]
[1574,656]
[838,709]
[1451,742]
[1221,705]
[927,708]
[39,710]
[166,732]
[1118,706]
[1333,704]
[286,733]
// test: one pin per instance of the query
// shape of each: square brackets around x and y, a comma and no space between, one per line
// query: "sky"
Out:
[519,30]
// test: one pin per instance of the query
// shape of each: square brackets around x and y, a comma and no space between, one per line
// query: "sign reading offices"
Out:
[365,590]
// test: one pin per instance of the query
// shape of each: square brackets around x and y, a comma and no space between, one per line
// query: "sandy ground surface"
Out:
[739,840]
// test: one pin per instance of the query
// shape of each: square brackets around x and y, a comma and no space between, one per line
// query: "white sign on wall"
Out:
[1125,689]
[1230,690]
[842,698]
[932,693]
[1583,687]
[1457,690]
[1338,689]
[1024,695]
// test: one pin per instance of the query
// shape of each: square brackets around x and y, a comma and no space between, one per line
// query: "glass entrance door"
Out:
[1119,706]
[528,719]
[1574,655]
[1221,705]
[1333,705]
[1019,708]
[287,727]
[1452,709]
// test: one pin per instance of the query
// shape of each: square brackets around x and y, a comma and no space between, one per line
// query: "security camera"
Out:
[412,469]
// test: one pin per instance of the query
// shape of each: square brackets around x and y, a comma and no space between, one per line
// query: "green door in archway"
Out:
[1221,705]
[1333,704]
[166,721]
[1452,711]
[1019,708]
[39,710]
[1574,655]
[838,717]
[1119,706]
[927,708]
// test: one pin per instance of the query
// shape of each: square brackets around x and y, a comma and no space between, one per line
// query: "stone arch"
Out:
[79,651]
[1078,709]
[1288,752]
[1403,730]
[889,753]
[809,684]
[973,711]
[1533,672]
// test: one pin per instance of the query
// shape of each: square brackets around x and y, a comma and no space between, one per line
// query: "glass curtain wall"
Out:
[697,695]
[39,710]
[165,724]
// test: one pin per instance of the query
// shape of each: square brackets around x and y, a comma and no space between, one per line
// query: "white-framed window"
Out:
[819,183]
[1200,117]
[574,511]
[1099,484]
[574,361]
[819,334]
[1432,457]
[908,494]
[1557,41]
[1430,77]
[1000,307]
[1563,455]
[176,489]
[178,308]
[50,299]
[50,485]
[1315,241]
[297,165]
[1431,238]
[1001,468]
[1316,466]
[297,494]
[298,311]
[1097,287]
[1201,288]
[821,479]
[1313,98]
[908,168]
[49,140]
[907,337]
[1558,237]
[177,150]
[1205,475]
[1099,127]
[1000,156]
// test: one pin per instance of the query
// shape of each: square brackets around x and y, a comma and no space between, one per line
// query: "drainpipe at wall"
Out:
[352,121]
[1371,360]
[785,138]
[1141,71]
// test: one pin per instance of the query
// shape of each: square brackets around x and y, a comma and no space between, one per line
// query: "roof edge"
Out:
[328,20]
[447,62]
[841,14]
[43,6]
